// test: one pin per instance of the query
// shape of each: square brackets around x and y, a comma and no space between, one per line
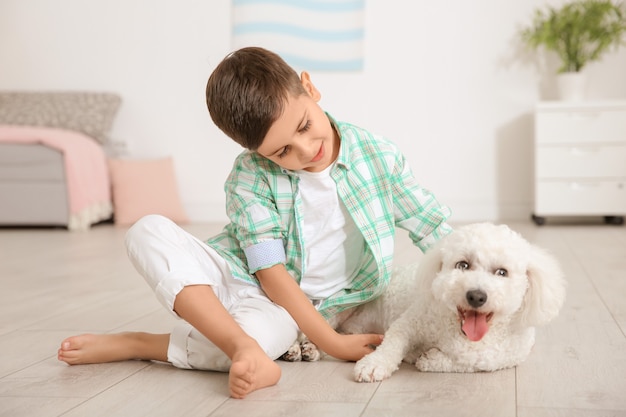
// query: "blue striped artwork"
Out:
[311,35]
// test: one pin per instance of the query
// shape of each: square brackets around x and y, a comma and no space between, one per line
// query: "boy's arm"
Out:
[282,289]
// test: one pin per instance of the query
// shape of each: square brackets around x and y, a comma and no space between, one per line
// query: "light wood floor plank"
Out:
[36,406]
[567,412]
[50,378]
[325,381]
[159,390]
[576,366]
[252,408]
[412,393]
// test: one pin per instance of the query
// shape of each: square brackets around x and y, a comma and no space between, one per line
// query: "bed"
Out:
[53,158]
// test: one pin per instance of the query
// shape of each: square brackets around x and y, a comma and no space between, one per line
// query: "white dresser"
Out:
[580,160]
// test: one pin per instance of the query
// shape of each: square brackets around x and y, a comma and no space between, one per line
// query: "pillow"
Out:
[86,112]
[144,186]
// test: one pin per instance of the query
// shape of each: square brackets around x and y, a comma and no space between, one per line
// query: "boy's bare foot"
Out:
[91,348]
[251,370]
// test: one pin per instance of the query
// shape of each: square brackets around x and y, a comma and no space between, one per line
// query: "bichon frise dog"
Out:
[470,304]
[475,300]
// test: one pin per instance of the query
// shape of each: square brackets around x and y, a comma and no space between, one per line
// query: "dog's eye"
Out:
[501,272]
[462,265]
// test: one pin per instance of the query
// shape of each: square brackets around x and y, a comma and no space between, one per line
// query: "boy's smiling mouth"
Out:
[319,155]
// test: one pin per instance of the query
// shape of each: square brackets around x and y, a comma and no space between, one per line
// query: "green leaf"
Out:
[578,32]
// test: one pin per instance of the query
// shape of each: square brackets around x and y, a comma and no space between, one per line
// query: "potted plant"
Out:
[579,32]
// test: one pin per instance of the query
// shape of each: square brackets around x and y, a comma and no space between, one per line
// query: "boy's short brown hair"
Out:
[247,93]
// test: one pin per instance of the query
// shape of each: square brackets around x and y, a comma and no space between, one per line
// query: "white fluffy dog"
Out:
[475,299]
[469,305]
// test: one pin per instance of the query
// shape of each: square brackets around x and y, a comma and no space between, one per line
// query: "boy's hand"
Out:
[282,289]
[352,347]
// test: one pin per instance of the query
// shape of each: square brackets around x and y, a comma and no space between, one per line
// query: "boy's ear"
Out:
[313,92]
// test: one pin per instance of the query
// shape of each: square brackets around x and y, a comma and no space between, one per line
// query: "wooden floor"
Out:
[55,283]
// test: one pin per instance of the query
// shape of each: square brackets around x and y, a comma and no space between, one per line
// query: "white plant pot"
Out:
[572,86]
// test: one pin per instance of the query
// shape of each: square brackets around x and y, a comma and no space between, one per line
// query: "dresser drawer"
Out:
[580,125]
[580,161]
[580,198]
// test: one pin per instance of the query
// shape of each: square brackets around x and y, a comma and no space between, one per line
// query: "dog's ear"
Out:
[546,289]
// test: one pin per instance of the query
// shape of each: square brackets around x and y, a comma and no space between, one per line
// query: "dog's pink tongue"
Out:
[475,325]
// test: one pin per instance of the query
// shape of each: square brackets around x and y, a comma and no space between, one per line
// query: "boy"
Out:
[313,204]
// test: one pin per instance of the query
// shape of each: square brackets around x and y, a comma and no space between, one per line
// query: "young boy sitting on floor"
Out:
[313,205]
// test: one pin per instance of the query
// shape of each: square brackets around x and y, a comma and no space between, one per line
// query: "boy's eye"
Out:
[284,152]
[306,127]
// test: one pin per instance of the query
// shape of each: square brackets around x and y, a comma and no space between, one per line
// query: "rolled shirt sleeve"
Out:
[265,254]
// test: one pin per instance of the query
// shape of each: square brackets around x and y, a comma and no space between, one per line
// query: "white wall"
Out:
[445,80]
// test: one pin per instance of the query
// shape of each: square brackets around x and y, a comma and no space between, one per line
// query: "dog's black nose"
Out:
[476,298]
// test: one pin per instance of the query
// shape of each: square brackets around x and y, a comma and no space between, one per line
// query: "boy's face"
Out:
[302,138]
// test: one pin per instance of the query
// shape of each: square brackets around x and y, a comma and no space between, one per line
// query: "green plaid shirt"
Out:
[377,187]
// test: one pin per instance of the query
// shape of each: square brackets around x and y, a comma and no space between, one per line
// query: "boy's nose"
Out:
[307,148]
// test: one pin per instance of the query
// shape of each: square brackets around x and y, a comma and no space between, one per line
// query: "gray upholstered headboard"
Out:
[91,113]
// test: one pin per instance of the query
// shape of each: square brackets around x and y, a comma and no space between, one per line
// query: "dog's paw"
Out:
[373,368]
[310,353]
[293,354]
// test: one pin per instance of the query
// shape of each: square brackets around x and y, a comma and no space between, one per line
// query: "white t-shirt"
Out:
[333,244]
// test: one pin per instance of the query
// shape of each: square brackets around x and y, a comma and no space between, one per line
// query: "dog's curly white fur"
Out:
[470,304]
[476,298]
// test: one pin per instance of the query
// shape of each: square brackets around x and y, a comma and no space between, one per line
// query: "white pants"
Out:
[169,259]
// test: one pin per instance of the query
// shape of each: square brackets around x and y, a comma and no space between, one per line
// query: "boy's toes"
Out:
[66,345]
[74,342]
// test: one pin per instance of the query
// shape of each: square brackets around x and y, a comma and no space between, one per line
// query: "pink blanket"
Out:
[86,172]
